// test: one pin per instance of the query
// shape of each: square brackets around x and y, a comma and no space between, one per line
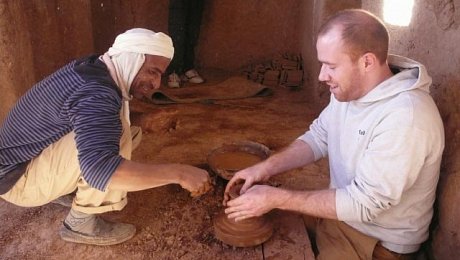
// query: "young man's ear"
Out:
[369,60]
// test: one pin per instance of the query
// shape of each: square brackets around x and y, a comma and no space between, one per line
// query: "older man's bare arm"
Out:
[134,176]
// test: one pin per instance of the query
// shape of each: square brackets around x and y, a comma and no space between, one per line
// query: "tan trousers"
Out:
[337,240]
[56,172]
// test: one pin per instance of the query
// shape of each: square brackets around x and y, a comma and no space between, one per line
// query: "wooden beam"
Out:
[290,239]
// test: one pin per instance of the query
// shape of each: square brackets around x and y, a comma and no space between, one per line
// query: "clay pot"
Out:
[245,233]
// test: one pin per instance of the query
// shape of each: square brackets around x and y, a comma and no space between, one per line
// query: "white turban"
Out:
[127,54]
[143,41]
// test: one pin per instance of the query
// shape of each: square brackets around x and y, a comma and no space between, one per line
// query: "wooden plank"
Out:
[290,239]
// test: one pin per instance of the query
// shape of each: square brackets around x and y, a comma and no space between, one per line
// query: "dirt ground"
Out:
[170,224]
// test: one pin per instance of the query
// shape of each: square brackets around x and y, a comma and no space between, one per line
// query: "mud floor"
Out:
[170,224]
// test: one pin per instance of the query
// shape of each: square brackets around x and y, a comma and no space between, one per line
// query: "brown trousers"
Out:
[336,240]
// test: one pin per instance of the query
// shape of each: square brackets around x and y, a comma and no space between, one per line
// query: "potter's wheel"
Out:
[245,233]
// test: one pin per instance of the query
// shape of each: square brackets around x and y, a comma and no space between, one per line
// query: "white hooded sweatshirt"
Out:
[384,154]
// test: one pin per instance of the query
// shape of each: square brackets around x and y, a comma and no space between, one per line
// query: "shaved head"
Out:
[361,32]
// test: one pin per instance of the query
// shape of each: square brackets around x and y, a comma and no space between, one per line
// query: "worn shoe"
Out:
[192,76]
[90,229]
[174,81]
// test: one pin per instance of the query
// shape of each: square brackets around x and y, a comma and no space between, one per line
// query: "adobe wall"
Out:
[46,35]
[37,38]
[14,75]
[236,33]
[110,18]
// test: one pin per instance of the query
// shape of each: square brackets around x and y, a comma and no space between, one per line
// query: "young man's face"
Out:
[148,78]
[338,71]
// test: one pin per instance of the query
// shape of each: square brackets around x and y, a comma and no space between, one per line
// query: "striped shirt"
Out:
[80,97]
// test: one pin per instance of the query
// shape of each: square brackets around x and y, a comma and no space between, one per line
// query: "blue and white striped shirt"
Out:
[80,97]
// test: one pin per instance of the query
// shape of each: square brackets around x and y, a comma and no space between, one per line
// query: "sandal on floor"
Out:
[192,76]
[174,81]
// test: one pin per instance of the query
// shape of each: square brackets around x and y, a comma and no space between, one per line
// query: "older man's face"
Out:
[148,78]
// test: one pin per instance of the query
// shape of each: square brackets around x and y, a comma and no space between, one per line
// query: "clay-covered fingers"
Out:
[207,186]
[246,186]
[237,210]
[240,215]
[249,176]
[256,201]
[196,181]
[229,186]
[227,189]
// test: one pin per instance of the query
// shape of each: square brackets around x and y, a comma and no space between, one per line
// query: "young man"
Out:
[71,131]
[384,139]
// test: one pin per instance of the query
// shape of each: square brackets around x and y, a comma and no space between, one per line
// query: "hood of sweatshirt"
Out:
[411,75]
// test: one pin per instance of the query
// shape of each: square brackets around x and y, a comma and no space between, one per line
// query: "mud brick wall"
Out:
[36,38]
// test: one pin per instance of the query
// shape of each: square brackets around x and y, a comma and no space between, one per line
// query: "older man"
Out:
[384,139]
[71,131]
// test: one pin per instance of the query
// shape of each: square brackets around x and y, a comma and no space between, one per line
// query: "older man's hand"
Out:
[196,181]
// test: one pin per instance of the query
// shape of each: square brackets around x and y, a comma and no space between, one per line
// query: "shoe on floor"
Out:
[90,229]
[174,80]
[192,76]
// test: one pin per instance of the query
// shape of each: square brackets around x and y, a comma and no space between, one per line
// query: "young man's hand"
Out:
[250,176]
